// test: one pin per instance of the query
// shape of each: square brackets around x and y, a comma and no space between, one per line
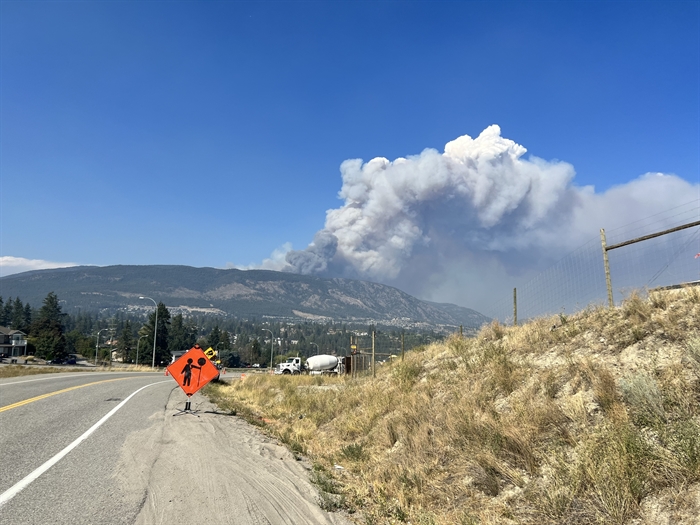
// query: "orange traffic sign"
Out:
[193,370]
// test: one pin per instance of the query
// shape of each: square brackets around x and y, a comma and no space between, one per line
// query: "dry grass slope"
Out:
[592,418]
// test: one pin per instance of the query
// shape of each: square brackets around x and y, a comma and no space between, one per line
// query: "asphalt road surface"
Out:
[114,448]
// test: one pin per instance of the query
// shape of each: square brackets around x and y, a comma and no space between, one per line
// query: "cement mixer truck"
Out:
[324,364]
[315,365]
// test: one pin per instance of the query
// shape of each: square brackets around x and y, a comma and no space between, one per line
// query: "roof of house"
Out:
[8,331]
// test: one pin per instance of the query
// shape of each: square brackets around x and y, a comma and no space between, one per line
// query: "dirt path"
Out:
[216,469]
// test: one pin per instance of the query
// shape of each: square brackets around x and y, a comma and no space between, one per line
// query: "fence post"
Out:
[402,347]
[608,281]
[374,365]
[515,307]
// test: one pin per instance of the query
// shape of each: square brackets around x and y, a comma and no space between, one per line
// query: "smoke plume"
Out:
[479,208]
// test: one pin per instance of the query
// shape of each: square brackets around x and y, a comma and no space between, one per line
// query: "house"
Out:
[13,343]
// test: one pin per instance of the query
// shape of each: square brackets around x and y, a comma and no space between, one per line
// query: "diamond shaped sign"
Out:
[193,370]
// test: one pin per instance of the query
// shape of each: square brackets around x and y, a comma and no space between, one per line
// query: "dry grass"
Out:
[20,370]
[594,421]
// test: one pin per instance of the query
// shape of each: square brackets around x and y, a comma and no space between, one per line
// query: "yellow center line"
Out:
[44,396]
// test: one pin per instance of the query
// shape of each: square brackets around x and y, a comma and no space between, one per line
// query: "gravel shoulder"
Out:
[217,469]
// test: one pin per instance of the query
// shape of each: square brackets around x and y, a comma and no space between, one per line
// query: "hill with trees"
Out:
[251,294]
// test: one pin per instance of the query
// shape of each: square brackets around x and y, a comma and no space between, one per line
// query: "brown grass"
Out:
[595,421]
[20,370]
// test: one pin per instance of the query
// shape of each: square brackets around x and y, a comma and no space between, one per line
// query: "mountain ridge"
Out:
[241,293]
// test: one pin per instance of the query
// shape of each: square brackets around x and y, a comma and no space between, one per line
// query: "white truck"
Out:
[318,364]
[324,364]
[291,366]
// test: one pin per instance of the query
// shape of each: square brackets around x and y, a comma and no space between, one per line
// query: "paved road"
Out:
[141,465]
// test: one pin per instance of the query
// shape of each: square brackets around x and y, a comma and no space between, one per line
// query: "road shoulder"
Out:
[216,468]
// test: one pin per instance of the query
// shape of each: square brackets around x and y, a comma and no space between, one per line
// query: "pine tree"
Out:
[181,337]
[125,347]
[224,344]
[7,313]
[214,337]
[51,310]
[47,331]
[17,319]
[162,354]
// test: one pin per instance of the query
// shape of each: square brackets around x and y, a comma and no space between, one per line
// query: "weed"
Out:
[406,372]
[683,440]
[324,481]
[658,300]
[331,502]
[604,389]
[292,441]
[636,308]
[354,452]
[493,332]
[550,384]
[692,349]
[643,396]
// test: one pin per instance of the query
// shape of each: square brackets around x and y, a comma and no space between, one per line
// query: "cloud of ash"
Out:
[10,265]
[479,209]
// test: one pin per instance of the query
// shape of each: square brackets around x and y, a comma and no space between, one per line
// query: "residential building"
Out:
[13,343]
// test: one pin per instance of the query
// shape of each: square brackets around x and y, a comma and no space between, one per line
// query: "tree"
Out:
[162,354]
[214,337]
[47,331]
[17,316]
[79,343]
[255,351]
[224,344]
[125,346]
[51,310]
[27,317]
[181,336]
[7,313]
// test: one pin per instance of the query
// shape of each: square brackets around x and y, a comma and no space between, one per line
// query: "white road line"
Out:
[24,483]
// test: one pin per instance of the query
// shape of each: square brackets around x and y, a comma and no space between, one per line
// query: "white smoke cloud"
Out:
[10,265]
[418,221]
[276,261]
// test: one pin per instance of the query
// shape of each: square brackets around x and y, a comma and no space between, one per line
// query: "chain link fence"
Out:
[578,280]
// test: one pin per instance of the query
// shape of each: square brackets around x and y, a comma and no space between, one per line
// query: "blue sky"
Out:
[212,133]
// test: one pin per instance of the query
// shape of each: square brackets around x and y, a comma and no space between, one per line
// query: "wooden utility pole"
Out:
[374,366]
[353,358]
[515,307]
[606,263]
